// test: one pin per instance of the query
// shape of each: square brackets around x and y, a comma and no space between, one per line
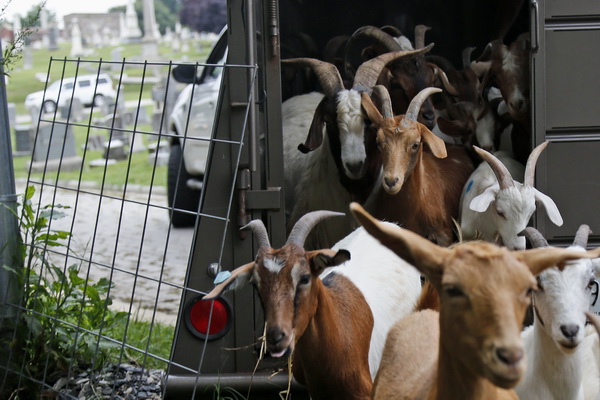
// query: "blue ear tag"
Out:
[222,277]
[469,186]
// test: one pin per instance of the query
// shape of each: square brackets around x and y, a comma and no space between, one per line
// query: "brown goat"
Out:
[484,291]
[323,323]
[422,176]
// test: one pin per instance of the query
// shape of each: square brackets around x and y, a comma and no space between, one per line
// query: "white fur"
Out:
[312,180]
[390,285]
[482,201]
[555,368]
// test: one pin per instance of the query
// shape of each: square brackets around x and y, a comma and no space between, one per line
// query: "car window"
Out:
[217,56]
[68,86]
[102,80]
[84,83]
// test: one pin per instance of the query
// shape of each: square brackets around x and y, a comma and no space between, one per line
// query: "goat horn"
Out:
[420,35]
[444,78]
[531,162]
[369,71]
[466,56]
[304,225]
[355,45]
[415,105]
[581,237]
[260,232]
[502,174]
[383,95]
[535,237]
[327,73]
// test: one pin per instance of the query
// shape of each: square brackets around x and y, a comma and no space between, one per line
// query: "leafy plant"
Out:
[63,313]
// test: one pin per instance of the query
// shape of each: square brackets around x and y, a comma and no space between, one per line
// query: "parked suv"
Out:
[59,92]
[191,131]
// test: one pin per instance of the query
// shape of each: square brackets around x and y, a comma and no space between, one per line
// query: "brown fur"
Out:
[484,291]
[430,177]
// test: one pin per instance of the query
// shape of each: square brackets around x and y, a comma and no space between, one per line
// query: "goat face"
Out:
[485,291]
[510,68]
[561,301]
[351,122]
[285,280]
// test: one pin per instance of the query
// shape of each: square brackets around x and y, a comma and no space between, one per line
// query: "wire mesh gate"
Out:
[105,271]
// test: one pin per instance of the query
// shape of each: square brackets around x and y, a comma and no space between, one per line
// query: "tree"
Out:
[204,15]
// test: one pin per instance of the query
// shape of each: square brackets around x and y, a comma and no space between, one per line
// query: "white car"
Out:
[191,130]
[88,89]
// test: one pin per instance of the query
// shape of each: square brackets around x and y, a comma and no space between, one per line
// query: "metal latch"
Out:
[267,199]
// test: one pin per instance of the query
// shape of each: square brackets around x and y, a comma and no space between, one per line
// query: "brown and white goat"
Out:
[484,292]
[422,176]
[335,323]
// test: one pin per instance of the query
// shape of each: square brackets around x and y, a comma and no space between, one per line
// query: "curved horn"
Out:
[502,174]
[535,237]
[366,37]
[420,35]
[444,78]
[466,56]
[260,232]
[531,162]
[304,225]
[415,105]
[581,237]
[369,71]
[328,75]
[384,97]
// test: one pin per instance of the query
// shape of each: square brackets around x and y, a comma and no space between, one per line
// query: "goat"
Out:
[554,343]
[509,72]
[592,359]
[331,169]
[334,327]
[484,292]
[498,207]
[416,170]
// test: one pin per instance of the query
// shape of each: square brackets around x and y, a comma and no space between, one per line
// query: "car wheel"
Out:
[99,100]
[180,196]
[49,106]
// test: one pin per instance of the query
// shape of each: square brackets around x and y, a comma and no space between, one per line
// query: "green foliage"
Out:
[63,313]
[227,393]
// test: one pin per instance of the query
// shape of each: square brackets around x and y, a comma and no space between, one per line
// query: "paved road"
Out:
[129,242]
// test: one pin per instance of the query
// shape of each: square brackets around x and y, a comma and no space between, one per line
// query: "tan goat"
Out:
[422,177]
[484,291]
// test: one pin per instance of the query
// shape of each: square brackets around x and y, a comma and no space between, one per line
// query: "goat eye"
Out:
[592,283]
[415,146]
[501,214]
[304,280]
[454,291]
[539,284]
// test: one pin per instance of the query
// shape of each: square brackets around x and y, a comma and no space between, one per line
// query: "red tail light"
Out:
[208,319]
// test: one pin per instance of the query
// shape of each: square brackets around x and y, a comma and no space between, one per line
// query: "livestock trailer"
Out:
[244,173]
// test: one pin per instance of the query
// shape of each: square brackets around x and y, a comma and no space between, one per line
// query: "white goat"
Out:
[335,326]
[334,166]
[484,292]
[554,344]
[498,207]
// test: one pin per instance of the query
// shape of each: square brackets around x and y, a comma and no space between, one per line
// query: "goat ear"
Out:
[321,259]
[238,278]
[371,110]
[435,143]
[424,255]
[450,127]
[481,202]
[550,207]
[315,133]
[539,259]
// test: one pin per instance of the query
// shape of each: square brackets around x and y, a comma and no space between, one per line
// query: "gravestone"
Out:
[150,40]
[133,33]
[54,148]
[72,110]
[76,41]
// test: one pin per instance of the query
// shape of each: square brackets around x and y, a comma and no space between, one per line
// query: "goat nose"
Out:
[509,356]
[391,182]
[354,167]
[275,335]
[518,104]
[429,115]
[570,331]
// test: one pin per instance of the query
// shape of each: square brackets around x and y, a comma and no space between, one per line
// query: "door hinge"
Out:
[248,199]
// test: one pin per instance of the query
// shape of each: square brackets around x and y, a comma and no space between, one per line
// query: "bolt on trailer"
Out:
[219,343]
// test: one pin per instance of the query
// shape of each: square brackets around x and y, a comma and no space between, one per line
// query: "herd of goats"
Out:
[410,184]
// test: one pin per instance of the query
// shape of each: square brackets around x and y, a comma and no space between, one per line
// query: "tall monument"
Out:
[133,33]
[150,41]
